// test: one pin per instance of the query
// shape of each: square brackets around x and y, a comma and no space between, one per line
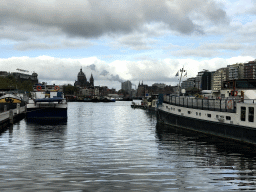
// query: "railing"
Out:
[11,113]
[212,104]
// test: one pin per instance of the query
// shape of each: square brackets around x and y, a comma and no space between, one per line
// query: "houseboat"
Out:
[229,116]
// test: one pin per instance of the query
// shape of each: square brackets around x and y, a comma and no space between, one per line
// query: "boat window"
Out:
[228,118]
[243,113]
[209,115]
[196,113]
[251,114]
[189,112]
[199,114]
[217,116]
[179,110]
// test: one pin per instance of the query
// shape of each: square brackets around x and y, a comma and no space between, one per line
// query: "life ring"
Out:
[235,93]
[56,88]
[229,104]
[38,88]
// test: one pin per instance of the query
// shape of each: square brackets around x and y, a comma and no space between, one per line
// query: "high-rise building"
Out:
[127,86]
[250,70]
[235,71]
[218,77]
[206,80]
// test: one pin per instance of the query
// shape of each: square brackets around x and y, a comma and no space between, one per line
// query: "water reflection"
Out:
[112,147]
[224,164]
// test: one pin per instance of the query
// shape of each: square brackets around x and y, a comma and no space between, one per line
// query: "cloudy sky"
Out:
[118,40]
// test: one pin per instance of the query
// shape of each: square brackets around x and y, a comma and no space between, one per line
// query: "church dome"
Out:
[81,73]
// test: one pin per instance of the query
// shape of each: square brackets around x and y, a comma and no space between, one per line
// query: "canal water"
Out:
[112,147]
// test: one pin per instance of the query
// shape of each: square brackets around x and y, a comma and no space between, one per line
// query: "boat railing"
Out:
[212,104]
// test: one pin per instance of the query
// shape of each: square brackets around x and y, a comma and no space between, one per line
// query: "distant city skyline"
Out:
[150,43]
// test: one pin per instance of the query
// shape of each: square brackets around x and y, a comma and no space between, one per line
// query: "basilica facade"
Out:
[82,81]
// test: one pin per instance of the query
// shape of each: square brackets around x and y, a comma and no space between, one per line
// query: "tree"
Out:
[69,89]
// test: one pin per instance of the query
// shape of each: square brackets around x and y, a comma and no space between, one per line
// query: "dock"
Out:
[11,116]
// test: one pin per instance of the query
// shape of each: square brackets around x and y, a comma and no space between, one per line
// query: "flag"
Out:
[177,74]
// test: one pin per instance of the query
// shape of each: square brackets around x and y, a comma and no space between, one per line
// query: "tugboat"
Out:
[47,102]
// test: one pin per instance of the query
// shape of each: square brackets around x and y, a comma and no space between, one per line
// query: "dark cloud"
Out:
[92,67]
[104,72]
[115,78]
[94,18]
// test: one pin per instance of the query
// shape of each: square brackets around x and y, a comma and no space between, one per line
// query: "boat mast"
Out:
[182,70]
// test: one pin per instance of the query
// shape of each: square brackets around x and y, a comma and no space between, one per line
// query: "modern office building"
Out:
[126,86]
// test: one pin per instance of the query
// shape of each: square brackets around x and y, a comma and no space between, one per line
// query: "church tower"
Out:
[91,81]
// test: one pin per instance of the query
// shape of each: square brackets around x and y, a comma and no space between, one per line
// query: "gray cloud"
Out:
[92,67]
[104,72]
[115,78]
[94,18]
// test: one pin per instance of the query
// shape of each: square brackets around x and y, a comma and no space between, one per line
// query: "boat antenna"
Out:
[182,70]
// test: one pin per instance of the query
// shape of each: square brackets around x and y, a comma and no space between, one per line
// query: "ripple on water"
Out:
[112,147]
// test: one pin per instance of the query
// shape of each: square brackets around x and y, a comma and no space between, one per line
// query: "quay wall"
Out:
[11,116]
[8,106]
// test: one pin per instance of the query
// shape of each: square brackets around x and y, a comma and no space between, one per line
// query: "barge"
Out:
[47,103]
[232,118]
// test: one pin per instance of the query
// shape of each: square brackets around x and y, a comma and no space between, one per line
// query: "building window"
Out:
[251,114]
[228,118]
[243,113]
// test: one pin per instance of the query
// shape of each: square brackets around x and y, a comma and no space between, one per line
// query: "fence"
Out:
[212,104]
[8,106]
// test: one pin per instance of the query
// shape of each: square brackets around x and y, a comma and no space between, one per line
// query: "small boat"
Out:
[47,103]
[138,106]
[10,98]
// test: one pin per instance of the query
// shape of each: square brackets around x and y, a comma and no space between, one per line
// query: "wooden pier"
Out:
[11,116]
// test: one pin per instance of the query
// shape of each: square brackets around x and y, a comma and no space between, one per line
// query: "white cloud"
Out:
[65,70]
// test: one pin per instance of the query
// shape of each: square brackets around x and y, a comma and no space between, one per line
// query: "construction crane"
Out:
[22,70]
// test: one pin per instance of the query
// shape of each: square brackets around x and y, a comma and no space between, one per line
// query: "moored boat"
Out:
[10,98]
[230,117]
[47,103]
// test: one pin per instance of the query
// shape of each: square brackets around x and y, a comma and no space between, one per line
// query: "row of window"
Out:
[217,116]
[242,117]
[250,114]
